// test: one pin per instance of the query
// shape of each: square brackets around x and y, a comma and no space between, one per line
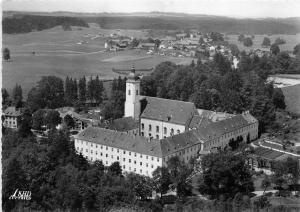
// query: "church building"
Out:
[155,129]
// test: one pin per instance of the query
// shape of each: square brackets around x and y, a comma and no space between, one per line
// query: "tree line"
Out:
[215,86]
[52,92]
[29,23]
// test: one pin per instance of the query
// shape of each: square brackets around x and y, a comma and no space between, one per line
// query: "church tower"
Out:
[132,103]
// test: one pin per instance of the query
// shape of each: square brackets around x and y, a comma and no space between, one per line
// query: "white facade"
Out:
[132,104]
[159,129]
[11,122]
[129,161]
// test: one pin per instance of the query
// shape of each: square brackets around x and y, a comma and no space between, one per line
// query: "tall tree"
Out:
[296,50]
[5,98]
[82,89]
[161,180]
[6,54]
[274,49]
[38,119]
[247,42]
[49,93]
[225,174]
[52,119]
[241,38]
[25,124]
[179,173]
[74,91]
[17,96]
[266,42]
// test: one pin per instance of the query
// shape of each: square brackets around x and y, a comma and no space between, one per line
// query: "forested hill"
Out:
[201,23]
[28,23]
[20,22]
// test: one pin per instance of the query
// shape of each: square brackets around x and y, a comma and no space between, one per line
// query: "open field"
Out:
[292,98]
[291,41]
[58,53]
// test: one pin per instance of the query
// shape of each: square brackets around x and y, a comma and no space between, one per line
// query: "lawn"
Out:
[58,53]
[292,98]
[291,41]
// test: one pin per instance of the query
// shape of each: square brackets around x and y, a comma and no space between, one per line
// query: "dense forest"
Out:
[21,23]
[203,24]
[29,23]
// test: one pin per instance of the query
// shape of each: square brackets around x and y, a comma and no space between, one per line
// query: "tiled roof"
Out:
[216,129]
[124,124]
[121,140]
[168,110]
[214,116]
[12,111]
[175,143]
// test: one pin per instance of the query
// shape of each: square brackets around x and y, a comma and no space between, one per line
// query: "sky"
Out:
[231,8]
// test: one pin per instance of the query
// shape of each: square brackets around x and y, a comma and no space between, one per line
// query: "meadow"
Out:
[291,41]
[58,52]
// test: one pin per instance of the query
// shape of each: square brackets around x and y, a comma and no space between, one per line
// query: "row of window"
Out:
[9,122]
[124,167]
[237,132]
[157,129]
[184,151]
[124,152]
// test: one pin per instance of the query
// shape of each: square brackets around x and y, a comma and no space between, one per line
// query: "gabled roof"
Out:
[216,129]
[12,111]
[178,142]
[121,140]
[124,124]
[167,110]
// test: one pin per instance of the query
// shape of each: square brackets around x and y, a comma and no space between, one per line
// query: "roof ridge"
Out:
[168,99]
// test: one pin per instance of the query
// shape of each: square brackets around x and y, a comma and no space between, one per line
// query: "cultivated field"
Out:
[291,41]
[71,53]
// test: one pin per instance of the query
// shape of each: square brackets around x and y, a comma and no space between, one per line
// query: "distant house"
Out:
[79,123]
[180,35]
[168,39]
[11,117]
[147,46]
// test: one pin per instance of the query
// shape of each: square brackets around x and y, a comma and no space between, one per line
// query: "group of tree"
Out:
[215,86]
[114,106]
[266,42]
[285,173]
[51,92]
[279,41]
[61,179]
[16,98]
[247,41]
[29,23]
[45,118]
[6,54]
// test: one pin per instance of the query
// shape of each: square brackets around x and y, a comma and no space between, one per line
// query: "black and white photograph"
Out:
[150,106]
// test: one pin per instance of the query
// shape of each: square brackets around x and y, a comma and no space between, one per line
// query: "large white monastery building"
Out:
[155,129]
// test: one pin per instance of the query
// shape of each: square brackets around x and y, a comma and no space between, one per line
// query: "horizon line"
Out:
[183,13]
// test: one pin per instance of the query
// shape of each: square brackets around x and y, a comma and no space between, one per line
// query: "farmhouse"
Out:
[11,117]
[155,129]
